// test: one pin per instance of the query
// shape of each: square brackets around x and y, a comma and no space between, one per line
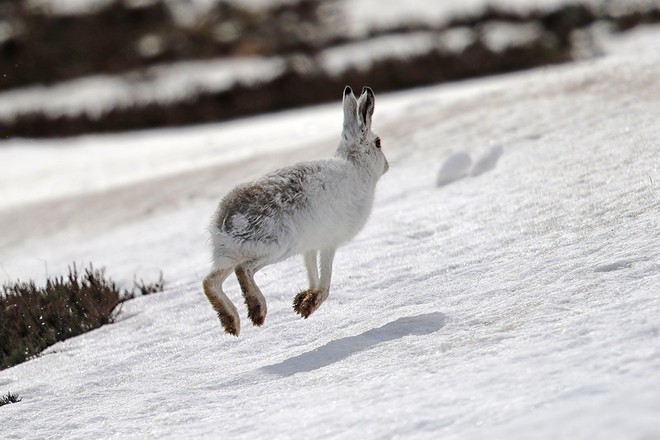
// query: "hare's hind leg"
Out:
[254,299]
[225,309]
[307,301]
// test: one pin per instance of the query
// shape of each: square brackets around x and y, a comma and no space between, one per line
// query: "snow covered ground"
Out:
[99,94]
[522,302]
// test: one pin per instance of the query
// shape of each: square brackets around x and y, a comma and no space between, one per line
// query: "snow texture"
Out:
[520,304]
[363,54]
[363,16]
[99,94]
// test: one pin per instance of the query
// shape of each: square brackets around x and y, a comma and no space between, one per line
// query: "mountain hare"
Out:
[305,209]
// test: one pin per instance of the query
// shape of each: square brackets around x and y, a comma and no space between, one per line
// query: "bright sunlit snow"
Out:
[521,302]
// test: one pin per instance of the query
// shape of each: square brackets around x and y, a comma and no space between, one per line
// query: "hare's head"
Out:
[358,143]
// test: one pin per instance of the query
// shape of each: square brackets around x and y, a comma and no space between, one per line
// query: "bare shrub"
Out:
[33,318]
[9,398]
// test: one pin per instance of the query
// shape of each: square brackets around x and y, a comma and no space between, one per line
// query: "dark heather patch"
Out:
[266,199]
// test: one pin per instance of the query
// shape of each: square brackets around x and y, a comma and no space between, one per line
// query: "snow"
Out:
[642,40]
[459,164]
[457,39]
[487,160]
[7,31]
[99,94]
[30,171]
[365,15]
[455,167]
[500,36]
[519,303]
[69,7]
[361,55]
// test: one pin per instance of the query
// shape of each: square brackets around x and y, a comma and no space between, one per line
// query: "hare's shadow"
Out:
[339,349]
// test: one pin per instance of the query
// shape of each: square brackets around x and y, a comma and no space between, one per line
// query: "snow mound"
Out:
[487,161]
[460,164]
[455,167]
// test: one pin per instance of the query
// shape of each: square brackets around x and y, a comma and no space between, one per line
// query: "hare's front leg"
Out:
[306,302]
[311,263]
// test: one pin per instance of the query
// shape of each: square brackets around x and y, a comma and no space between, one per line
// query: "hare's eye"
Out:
[377,142]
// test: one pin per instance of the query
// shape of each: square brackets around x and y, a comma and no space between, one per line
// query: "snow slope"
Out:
[519,303]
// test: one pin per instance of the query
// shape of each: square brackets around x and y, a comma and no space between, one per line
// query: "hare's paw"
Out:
[256,310]
[307,301]
[224,308]
[230,321]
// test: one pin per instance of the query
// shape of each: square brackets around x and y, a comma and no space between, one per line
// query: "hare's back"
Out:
[263,210]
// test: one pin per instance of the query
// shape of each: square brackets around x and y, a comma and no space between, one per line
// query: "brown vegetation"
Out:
[33,318]
[9,398]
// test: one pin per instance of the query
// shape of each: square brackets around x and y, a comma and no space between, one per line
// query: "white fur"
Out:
[307,209]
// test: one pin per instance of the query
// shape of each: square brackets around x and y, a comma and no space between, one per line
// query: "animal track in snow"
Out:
[455,167]
[460,165]
[487,161]
[419,235]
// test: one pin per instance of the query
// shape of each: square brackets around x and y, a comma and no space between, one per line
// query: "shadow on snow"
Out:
[339,349]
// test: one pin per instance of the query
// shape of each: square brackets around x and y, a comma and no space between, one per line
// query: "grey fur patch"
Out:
[249,211]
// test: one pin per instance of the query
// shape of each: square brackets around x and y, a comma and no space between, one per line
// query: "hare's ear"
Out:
[366,107]
[351,125]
